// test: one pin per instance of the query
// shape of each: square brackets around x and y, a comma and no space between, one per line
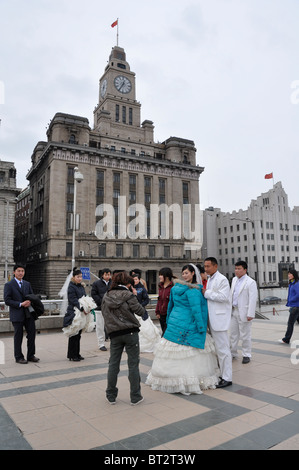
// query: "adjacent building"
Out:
[266,236]
[134,207]
[8,194]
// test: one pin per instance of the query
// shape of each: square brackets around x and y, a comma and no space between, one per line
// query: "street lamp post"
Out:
[78,178]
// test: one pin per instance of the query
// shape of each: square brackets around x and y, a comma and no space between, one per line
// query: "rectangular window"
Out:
[116,178]
[117,113]
[102,250]
[132,180]
[119,251]
[68,249]
[136,251]
[151,251]
[167,251]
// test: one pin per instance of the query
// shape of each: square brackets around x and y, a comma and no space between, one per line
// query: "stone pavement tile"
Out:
[74,436]
[289,444]
[236,399]
[256,419]
[201,440]
[274,411]
[279,387]
[290,376]
[14,405]
[272,370]
[235,427]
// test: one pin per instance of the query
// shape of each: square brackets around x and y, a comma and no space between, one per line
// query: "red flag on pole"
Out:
[269,176]
[114,24]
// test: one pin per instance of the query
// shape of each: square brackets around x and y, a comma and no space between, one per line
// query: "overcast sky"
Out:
[223,73]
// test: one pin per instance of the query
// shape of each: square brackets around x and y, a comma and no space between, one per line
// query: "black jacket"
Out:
[98,290]
[36,304]
[13,297]
[74,293]
[119,307]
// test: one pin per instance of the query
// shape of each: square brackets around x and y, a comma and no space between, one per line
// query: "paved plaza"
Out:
[56,404]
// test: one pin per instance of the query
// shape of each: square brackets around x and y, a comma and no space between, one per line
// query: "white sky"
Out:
[218,72]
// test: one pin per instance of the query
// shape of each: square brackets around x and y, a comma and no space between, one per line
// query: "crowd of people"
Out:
[202,321]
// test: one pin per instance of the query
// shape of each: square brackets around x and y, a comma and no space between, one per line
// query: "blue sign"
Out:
[85,274]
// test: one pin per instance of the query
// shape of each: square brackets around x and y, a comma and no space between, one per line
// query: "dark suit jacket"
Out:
[98,290]
[13,297]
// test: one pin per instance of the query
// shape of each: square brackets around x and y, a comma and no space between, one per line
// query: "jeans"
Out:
[117,344]
[293,316]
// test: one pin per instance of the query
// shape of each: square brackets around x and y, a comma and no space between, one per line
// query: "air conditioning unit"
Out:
[81,253]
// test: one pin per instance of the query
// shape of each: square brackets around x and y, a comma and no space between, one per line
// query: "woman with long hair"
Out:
[185,360]
[293,303]
[165,285]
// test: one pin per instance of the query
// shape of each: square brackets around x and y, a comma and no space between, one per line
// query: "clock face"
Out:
[103,88]
[122,84]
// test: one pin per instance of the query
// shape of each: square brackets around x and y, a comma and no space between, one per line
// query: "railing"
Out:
[52,307]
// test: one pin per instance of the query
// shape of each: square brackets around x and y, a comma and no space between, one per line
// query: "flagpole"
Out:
[117,33]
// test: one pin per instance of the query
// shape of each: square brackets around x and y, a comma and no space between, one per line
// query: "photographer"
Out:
[119,306]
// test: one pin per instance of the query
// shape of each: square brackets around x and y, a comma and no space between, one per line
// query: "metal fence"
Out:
[52,307]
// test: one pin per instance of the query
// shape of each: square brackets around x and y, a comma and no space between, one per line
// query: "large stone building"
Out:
[135,204]
[8,194]
[266,236]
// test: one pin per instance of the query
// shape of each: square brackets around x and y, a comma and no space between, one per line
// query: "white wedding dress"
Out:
[184,369]
[149,335]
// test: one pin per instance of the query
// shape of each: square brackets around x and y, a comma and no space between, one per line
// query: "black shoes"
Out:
[223,383]
[245,360]
[33,359]
[21,361]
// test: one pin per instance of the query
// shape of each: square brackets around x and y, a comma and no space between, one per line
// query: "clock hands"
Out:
[122,84]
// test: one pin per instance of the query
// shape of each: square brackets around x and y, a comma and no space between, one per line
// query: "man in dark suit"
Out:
[98,290]
[14,296]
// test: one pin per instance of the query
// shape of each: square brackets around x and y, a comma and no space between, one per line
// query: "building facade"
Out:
[136,205]
[8,194]
[266,236]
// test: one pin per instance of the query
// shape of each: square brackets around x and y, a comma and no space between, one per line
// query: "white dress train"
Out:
[184,369]
[149,335]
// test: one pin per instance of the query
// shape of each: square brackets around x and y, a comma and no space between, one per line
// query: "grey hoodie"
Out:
[119,307]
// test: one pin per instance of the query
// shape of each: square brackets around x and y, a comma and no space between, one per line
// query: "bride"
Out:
[185,359]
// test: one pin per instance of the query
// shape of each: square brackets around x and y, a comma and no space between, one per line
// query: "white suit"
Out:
[219,307]
[243,296]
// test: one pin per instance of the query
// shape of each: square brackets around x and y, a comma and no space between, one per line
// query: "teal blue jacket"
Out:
[187,315]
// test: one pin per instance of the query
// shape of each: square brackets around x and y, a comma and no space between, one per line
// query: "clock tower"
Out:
[117,107]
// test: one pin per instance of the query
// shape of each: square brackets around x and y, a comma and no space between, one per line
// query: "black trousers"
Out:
[163,324]
[73,351]
[29,325]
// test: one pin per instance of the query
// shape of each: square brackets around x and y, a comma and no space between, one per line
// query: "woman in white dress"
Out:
[185,359]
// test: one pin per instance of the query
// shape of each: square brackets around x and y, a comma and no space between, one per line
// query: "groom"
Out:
[14,296]
[217,294]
